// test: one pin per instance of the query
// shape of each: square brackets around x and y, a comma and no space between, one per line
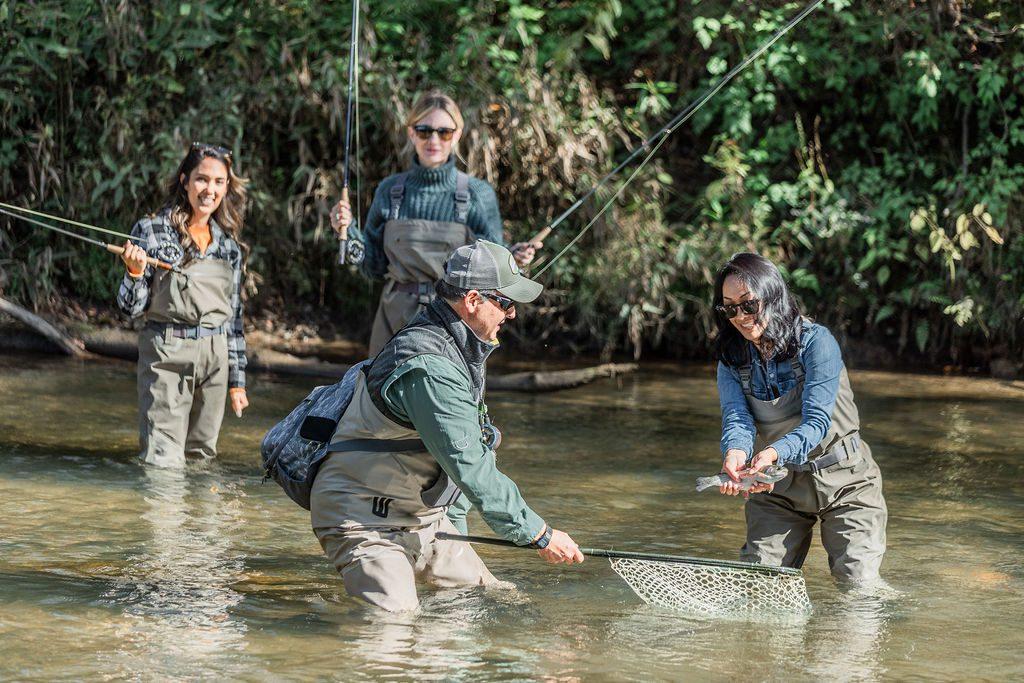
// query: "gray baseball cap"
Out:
[489,266]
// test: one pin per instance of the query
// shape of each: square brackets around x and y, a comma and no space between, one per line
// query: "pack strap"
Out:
[377,446]
[845,449]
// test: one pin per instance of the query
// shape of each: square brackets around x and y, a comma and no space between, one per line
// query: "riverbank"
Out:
[279,344]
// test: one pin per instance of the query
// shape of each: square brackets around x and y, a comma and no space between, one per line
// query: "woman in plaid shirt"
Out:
[192,347]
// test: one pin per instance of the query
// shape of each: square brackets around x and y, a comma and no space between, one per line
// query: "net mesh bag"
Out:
[710,589]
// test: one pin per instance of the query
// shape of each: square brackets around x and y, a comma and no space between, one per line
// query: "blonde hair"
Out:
[428,102]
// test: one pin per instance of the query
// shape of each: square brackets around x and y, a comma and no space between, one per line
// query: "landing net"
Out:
[715,590]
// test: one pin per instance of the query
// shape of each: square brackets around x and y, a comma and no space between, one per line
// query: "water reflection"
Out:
[177,587]
[125,572]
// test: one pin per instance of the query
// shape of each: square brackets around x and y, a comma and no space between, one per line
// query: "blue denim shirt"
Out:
[823,363]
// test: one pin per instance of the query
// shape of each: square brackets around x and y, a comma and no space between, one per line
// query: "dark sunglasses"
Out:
[217,149]
[504,303]
[424,132]
[749,307]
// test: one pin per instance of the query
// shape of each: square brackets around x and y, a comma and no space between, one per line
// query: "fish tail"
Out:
[705,483]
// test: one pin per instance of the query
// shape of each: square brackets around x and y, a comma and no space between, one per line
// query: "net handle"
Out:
[622,555]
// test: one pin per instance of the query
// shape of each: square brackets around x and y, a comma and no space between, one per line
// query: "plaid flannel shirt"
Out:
[160,240]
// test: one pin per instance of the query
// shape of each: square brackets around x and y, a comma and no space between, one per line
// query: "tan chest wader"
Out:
[380,497]
[840,485]
[416,251]
[183,362]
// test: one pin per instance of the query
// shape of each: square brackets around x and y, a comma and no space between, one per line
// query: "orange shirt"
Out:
[201,236]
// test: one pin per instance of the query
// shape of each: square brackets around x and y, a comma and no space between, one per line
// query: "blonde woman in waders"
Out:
[191,349]
[420,216]
[786,400]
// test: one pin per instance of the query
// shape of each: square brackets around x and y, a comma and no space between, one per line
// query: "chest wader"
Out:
[183,362]
[380,497]
[416,250]
[840,485]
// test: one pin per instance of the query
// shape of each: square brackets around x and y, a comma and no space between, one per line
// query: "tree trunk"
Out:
[69,345]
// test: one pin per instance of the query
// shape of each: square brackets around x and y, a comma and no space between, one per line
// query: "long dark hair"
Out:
[230,215]
[780,311]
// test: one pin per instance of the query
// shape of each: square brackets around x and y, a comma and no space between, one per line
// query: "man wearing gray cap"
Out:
[416,437]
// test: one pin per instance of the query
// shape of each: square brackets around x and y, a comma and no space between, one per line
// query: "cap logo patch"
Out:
[513,265]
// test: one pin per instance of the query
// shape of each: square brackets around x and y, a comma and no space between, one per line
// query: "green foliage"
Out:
[875,151]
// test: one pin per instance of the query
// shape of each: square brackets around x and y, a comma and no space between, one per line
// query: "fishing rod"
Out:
[353,56]
[623,555]
[112,248]
[655,141]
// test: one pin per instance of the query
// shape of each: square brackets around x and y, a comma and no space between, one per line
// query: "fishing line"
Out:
[662,135]
[63,220]
[112,248]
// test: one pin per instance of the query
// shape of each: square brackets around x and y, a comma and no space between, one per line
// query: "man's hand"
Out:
[733,465]
[560,549]
[239,401]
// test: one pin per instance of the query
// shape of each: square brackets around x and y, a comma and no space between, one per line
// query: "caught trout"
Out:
[769,475]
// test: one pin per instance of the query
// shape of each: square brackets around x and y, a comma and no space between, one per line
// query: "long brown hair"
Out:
[230,215]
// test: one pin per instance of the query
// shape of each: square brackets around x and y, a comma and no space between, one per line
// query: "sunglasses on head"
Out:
[504,303]
[749,307]
[217,149]
[423,132]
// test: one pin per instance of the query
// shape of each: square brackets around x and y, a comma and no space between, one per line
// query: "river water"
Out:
[109,570]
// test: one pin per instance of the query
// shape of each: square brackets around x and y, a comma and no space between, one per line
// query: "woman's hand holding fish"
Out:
[733,465]
[760,461]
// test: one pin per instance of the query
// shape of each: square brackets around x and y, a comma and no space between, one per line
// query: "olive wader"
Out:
[416,250]
[840,485]
[380,497]
[183,362]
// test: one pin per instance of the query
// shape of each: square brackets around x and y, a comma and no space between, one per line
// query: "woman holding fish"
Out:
[790,429]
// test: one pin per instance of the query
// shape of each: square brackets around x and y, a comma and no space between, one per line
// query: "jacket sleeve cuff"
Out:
[531,528]
[785,450]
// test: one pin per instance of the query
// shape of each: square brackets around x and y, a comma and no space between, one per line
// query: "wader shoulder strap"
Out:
[396,195]
[745,372]
[461,197]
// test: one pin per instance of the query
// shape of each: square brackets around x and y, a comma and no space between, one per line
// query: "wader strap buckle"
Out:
[745,373]
[461,197]
[397,193]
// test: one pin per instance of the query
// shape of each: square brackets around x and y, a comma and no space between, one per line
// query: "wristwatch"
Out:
[544,539]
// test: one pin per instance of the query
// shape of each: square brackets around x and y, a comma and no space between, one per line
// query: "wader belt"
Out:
[187,331]
[425,290]
[378,446]
[843,450]
[397,193]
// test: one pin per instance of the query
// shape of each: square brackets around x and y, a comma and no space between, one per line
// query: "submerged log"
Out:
[123,343]
[66,344]
[557,379]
